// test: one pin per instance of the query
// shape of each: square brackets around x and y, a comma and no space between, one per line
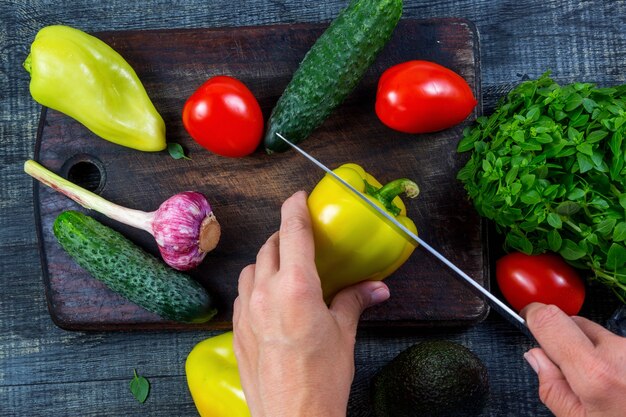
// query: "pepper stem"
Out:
[27,63]
[135,218]
[391,190]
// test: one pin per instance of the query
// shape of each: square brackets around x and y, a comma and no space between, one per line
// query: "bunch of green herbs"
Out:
[548,168]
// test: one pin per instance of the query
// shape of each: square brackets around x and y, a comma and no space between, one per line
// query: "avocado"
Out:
[437,378]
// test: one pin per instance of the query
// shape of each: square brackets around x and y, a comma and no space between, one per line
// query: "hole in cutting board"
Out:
[86,171]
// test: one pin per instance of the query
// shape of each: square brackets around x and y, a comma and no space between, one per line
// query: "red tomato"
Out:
[224,117]
[422,97]
[544,278]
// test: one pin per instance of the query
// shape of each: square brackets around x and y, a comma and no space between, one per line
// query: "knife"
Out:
[501,308]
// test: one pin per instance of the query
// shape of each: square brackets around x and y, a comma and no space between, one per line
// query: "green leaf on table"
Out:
[139,387]
[176,151]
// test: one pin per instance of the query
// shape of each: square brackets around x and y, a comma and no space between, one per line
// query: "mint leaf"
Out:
[531,197]
[176,151]
[597,136]
[619,234]
[554,241]
[139,387]
[576,194]
[605,227]
[567,208]
[571,251]
[616,258]
[554,220]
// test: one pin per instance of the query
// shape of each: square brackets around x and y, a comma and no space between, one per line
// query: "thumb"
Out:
[554,390]
[350,302]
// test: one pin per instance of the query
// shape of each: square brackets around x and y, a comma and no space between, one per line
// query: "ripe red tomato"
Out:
[422,97]
[544,278]
[224,117]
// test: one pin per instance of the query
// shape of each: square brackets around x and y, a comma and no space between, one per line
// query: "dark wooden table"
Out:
[48,371]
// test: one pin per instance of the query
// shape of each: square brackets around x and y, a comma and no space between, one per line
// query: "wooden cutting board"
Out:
[247,193]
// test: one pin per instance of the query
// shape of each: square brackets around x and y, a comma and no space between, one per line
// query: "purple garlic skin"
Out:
[185,229]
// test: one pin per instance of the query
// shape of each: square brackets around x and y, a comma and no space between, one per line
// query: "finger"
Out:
[593,331]
[559,336]
[554,390]
[267,260]
[296,236]
[246,283]
[236,312]
[348,305]
[245,353]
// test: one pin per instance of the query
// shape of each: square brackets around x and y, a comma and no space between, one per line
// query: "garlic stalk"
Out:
[184,226]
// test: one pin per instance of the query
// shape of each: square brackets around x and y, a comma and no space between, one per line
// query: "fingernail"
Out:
[379,294]
[532,361]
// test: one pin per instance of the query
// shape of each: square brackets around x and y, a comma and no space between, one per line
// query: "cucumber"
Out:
[331,69]
[130,271]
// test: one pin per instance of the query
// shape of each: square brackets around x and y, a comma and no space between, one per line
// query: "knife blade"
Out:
[493,301]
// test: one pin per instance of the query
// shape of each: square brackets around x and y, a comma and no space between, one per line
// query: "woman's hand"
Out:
[296,354]
[581,365]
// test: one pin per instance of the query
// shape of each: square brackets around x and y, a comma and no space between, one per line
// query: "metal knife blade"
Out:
[491,299]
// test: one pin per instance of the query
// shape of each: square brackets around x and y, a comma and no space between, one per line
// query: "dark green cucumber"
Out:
[331,69]
[130,271]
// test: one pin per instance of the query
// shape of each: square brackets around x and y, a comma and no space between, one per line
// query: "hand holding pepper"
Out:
[295,354]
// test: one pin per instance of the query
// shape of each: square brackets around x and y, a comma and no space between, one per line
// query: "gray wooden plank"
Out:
[93,398]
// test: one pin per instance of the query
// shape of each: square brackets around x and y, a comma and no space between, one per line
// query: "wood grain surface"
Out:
[46,371]
[246,193]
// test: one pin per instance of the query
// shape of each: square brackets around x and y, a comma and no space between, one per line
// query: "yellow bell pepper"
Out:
[213,378]
[353,242]
[84,78]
